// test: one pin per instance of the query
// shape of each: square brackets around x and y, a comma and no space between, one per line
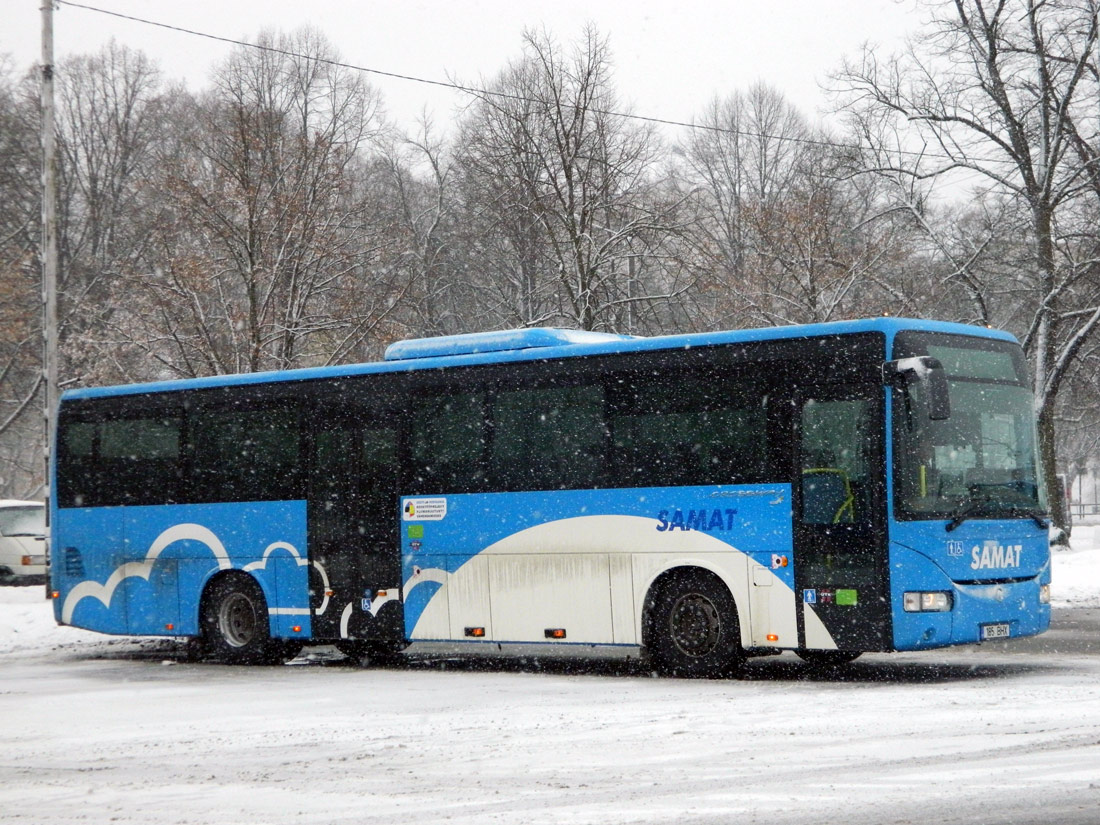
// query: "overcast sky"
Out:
[670,57]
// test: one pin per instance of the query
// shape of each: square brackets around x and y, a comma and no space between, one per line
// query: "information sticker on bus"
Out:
[995,631]
[424,509]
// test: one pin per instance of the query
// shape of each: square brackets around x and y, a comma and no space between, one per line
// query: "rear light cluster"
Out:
[923,601]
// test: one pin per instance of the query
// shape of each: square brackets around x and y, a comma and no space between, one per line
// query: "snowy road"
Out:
[98,731]
[118,730]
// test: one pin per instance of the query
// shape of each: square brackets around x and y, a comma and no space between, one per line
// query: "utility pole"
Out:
[49,238]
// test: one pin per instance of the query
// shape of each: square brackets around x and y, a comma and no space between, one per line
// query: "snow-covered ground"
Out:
[1075,574]
[94,729]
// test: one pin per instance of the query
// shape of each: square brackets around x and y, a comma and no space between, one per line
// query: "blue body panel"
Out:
[979,548]
[141,570]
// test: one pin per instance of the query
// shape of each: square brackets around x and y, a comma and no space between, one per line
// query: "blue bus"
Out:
[830,489]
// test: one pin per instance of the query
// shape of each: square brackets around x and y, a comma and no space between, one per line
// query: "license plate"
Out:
[995,631]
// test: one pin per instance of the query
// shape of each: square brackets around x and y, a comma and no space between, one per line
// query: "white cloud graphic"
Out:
[276,545]
[345,617]
[290,548]
[326,587]
[141,569]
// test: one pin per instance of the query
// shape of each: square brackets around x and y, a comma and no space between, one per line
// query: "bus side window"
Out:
[77,479]
[551,438]
[447,444]
[703,428]
[246,456]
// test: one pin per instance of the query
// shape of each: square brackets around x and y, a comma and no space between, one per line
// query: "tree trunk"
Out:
[1056,495]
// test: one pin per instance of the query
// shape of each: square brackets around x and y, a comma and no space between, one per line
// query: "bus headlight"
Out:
[935,601]
[1044,594]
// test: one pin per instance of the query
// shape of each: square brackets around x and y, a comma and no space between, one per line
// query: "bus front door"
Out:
[840,533]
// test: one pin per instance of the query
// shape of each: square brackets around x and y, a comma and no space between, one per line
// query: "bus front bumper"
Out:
[977,612]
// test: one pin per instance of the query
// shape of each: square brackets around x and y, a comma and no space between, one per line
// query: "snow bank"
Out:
[27,623]
[1076,571]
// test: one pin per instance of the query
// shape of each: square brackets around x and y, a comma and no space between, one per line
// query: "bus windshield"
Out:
[983,460]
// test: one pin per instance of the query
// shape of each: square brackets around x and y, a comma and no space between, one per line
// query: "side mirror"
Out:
[929,372]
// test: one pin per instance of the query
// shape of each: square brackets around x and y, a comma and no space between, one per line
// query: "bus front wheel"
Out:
[693,629]
[235,624]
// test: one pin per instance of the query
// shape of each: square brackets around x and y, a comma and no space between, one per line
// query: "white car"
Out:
[22,542]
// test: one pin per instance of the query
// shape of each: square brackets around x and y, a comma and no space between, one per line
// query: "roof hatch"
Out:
[499,341]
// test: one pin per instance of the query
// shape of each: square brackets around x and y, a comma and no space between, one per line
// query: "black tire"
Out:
[353,649]
[828,658]
[369,653]
[693,629]
[235,624]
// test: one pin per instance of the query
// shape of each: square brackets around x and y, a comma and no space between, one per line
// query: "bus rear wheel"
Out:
[693,627]
[235,624]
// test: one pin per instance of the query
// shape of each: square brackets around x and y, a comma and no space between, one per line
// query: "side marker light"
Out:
[773,637]
[555,633]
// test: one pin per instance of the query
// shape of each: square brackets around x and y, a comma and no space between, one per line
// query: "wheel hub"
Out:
[237,620]
[694,625]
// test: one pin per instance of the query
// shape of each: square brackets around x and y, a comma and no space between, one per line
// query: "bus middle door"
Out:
[352,525]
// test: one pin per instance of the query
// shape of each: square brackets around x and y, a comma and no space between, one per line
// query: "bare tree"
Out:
[786,234]
[111,128]
[418,196]
[1006,89]
[262,228]
[21,434]
[562,184]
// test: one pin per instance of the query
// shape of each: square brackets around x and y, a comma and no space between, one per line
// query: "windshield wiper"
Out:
[965,510]
[1037,516]
[972,504]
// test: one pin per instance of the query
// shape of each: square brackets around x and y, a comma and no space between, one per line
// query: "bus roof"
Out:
[532,344]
